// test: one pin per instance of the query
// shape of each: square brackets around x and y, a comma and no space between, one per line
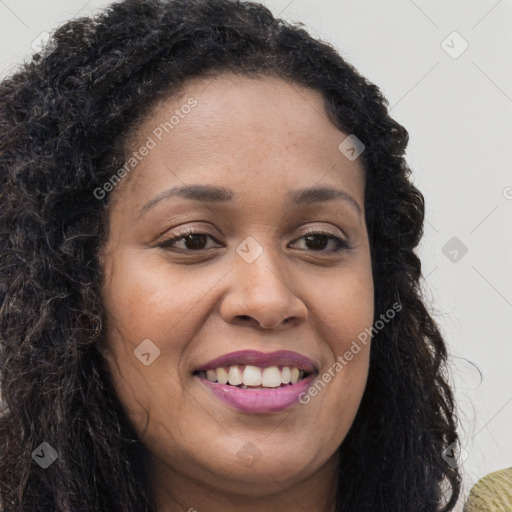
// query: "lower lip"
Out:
[259,401]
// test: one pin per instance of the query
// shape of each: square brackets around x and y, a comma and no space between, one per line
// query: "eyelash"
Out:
[168,244]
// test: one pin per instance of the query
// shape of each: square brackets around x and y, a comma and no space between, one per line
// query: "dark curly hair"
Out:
[64,120]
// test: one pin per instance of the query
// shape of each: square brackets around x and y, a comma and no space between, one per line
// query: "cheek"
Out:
[145,298]
[343,307]
[135,293]
[343,316]
[139,306]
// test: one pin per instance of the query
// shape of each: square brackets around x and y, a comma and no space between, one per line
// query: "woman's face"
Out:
[253,279]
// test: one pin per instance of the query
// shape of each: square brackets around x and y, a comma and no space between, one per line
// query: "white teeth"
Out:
[235,376]
[252,376]
[271,377]
[285,375]
[222,376]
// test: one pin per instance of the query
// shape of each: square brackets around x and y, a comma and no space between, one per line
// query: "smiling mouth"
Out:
[255,377]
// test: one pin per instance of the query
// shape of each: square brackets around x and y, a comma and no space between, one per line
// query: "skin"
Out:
[260,137]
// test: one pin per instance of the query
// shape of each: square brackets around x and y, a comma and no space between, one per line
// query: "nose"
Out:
[261,294]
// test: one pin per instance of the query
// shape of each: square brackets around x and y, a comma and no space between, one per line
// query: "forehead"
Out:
[241,130]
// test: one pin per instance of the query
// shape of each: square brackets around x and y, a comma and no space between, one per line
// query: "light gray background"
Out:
[458,113]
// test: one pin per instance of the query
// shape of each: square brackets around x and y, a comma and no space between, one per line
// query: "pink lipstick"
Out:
[256,382]
[260,401]
[253,357]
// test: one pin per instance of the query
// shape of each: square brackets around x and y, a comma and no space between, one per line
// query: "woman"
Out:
[210,298]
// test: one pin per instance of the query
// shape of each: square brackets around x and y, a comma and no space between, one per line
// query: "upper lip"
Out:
[256,358]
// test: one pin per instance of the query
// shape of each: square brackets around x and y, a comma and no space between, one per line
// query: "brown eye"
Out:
[191,241]
[318,241]
[195,242]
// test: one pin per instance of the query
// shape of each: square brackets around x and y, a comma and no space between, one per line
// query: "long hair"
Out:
[64,121]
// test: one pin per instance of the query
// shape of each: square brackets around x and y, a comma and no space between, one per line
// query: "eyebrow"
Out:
[215,194]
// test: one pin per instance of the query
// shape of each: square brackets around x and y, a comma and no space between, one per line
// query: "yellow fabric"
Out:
[493,493]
